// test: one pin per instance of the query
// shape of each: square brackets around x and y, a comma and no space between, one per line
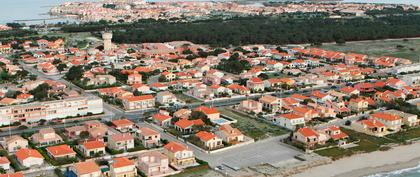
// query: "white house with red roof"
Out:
[179,154]
[162,119]
[391,121]
[61,151]
[334,132]
[123,167]
[29,157]
[209,140]
[290,121]
[308,136]
[123,141]
[149,137]
[138,102]
[92,148]
[123,125]
[371,127]
[134,79]
[4,163]
[255,84]
[211,113]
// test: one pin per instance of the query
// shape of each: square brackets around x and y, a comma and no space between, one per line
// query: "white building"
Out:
[49,110]
[165,98]
[411,79]
[405,68]
[290,121]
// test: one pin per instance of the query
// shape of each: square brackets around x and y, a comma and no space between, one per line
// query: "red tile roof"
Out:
[205,136]
[122,162]
[175,147]
[93,145]
[307,132]
[23,154]
[60,150]
[161,117]
[18,174]
[207,110]
[122,123]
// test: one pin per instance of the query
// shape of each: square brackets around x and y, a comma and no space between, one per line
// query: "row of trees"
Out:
[262,29]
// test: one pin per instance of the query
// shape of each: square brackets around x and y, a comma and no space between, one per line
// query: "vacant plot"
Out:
[186,98]
[406,135]
[367,144]
[199,173]
[409,48]
[254,128]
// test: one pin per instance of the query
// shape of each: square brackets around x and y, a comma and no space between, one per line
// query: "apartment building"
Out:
[139,102]
[50,110]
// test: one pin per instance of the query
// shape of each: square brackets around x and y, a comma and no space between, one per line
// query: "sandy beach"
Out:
[400,157]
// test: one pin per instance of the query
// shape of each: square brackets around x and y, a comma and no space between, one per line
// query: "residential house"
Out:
[239,89]
[5,163]
[358,104]
[123,167]
[165,98]
[149,137]
[92,148]
[307,112]
[162,119]
[14,143]
[211,113]
[46,136]
[123,125]
[290,121]
[209,140]
[134,79]
[271,103]
[179,154]
[86,169]
[370,127]
[408,119]
[182,113]
[250,106]
[229,134]
[153,163]
[309,137]
[123,141]
[391,121]
[139,102]
[255,84]
[184,125]
[29,157]
[17,174]
[61,151]
[334,132]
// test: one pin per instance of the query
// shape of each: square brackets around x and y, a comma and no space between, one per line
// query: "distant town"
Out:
[78,104]
[133,10]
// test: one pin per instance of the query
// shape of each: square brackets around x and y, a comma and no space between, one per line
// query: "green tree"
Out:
[41,92]
[75,73]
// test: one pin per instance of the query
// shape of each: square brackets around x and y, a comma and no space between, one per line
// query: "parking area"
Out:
[269,151]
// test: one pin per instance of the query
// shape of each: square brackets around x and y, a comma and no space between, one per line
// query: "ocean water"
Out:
[408,172]
[11,10]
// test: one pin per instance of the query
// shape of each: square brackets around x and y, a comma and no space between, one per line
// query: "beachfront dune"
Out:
[365,164]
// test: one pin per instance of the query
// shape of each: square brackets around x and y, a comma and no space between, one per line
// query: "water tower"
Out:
[107,37]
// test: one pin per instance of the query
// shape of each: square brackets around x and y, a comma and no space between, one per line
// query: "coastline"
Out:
[397,158]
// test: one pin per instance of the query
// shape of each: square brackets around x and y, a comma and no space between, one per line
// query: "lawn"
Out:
[254,128]
[409,49]
[186,98]
[405,135]
[367,144]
